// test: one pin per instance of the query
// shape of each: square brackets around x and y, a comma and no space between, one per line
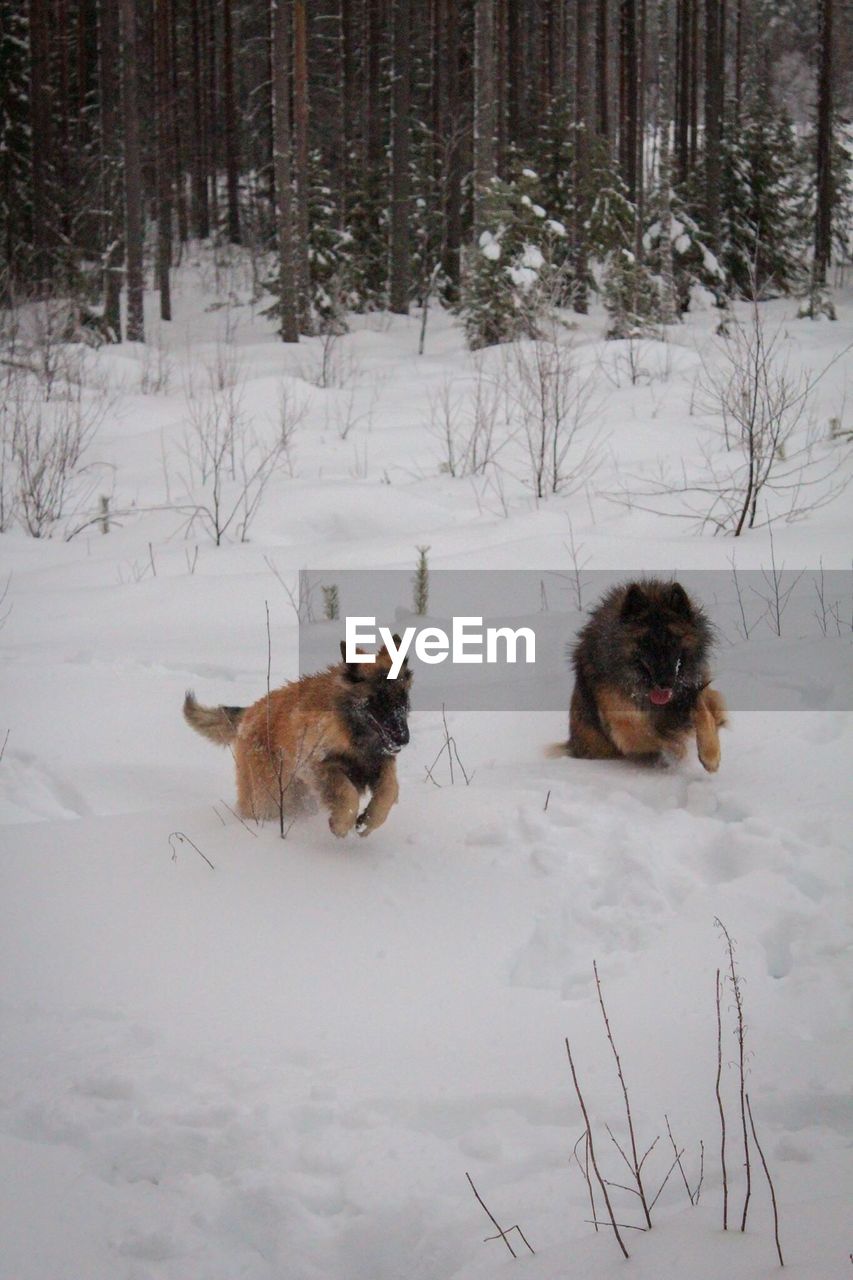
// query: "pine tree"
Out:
[631,296]
[689,257]
[762,245]
[517,267]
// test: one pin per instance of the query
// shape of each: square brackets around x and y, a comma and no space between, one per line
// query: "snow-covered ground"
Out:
[283,1065]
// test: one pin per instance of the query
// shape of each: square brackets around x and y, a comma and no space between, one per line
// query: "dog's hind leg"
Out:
[384,796]
[262,781]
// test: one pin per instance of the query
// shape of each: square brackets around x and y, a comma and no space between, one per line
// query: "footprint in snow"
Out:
[147,1246]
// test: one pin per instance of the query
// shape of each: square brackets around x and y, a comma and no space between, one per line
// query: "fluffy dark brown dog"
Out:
[326,738]
[642,678]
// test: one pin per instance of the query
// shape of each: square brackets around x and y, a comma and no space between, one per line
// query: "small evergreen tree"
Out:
[630,295]
[762,244]
[517,266]
[420,583]
[693,261]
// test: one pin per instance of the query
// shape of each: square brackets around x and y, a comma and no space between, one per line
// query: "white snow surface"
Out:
[283,1065]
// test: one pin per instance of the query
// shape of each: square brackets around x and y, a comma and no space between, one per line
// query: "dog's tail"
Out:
[556,750]
[220,724]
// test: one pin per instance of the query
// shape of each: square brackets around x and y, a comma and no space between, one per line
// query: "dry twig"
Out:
[722,1112]
[769,1183]
[740,1033]
[634,1163]
[614,1224]
[184,839]
[502,1234]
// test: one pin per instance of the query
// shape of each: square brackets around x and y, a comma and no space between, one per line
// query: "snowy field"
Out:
[283,1065]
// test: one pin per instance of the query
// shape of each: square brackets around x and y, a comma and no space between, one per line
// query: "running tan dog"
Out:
[329,737]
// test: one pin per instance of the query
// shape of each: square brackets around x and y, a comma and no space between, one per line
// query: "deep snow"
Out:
[285,1065]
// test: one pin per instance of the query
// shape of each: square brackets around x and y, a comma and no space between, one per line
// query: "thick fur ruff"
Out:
[642,678]
[324,740]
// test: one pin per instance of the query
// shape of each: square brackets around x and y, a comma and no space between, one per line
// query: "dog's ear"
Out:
[635,601]
[353,671]
[679,600]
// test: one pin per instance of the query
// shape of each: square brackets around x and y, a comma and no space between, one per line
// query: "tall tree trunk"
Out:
[502,140]
[669,301]
[62,37]
[41,123]
[270,159]
[200,203]
[163,90]
[288,295]
[300,112]
[212,111]
[352,142]
[823,208]
[739,37]
[373,78]
[602,41]
[693,108]
[683,46]
[134,221]
[515,71]
[373,134]
[453,195]
[540,14]
[485,96]
[640,128]
[176,59]
[232,133]
[400,176]
[583,122]
[715,23]
[629,73]
[109,64]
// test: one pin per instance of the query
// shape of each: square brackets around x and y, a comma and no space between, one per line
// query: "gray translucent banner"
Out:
[783,641]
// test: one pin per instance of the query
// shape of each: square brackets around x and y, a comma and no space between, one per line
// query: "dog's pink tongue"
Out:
[660,697]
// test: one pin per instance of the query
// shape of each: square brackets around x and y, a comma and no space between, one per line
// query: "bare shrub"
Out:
[8,485]
[770,438]
[766,457]
[550,397]
[347,411]
[230,461]
[156,366]
[331,363]
[469,424]
[46,427]
[288,418]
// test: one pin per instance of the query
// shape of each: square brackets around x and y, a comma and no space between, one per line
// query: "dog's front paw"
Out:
[340,824]
[710,758]
[364,823]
